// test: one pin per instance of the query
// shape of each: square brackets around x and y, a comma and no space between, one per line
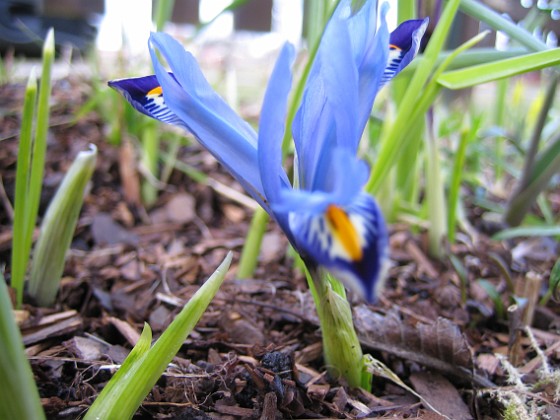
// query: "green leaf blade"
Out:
[124,393]
[484,73]
[20,398]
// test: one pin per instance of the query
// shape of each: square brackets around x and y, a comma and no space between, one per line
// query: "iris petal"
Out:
[404,44]
[143,94]
[216,126]
[371,63]
[329,107]
[271,131]
[346,179]
[332,243]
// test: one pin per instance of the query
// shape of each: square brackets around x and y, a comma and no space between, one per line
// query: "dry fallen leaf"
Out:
[440,346]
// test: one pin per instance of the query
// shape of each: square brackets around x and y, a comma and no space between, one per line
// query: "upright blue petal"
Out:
[271,132]
[372,60]
[216,126]
[328,113]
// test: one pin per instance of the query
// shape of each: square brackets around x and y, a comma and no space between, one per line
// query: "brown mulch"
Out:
[256,353]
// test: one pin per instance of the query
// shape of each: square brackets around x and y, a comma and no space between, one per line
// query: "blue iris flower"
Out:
[326,215]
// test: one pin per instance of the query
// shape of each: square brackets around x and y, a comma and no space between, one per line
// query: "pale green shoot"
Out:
[140,371]
[30,182]
[58,229]
[20,247]
[251,248]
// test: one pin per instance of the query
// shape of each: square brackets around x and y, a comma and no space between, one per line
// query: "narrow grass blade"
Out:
[20,247]
[495,296]
[456,177]
[480,11]
[406,9]
[553,285]
[545,168]
[251,249]
[527,231]
[125,391]
[20,398]
[499,119]
[484,73]
[536,172]
[58,228]
[397,140]
[162,13]
[435,194]
[469,58]
[150,151]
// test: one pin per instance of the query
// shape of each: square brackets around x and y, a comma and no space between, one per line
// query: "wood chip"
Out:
[424,264]
[129,175]
[181,208]
[128,331]
[340,399]
[234,410]
[86,348]
[63,327]
[318,391]
[269,406]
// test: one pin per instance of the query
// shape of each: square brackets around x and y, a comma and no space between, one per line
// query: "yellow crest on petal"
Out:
[344,231]
[155,91]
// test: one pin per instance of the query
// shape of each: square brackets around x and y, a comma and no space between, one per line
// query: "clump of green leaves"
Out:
[30,166]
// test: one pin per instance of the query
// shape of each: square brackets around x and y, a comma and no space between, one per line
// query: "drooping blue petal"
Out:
[271,132]
[216,126]
[145,95]
[404,44]
[351,242]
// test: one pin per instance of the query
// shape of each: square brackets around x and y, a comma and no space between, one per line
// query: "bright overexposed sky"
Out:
[130,20]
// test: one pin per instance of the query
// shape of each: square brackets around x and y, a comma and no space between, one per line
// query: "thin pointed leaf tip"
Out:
[326,216]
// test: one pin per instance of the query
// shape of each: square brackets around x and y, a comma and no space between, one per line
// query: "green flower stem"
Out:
[20,398]
[480,11]
[58,228]
[20,247]
[140,371]
[341,348]
[251,249]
